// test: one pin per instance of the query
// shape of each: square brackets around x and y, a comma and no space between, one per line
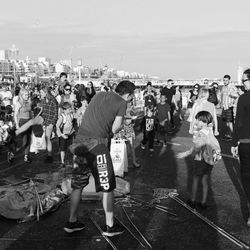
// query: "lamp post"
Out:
[14,52]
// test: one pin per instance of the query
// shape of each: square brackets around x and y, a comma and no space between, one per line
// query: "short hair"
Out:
[202,92]
[66,105]
[227,76]
[67,85]
[247,73]
[214,84]
[204,116]
[149,83]
[63,74]
[125,87]
[170,80]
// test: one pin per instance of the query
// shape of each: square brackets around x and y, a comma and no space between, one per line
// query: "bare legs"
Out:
[204,181]
[108,206]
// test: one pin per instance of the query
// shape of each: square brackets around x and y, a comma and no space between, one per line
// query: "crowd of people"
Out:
[65,110]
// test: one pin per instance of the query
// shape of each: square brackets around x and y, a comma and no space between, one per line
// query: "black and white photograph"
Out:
[124,125]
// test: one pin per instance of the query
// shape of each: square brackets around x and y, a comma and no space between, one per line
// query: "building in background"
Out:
[4,54]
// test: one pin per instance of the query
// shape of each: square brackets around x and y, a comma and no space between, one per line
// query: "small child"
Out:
[65,129]
[206,151]
[80,112]
[163,117]
[148,128]
[3,131]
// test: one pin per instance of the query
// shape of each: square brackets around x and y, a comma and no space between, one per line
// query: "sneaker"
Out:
[143,146]
[72,227]
[10,157]
[164,144]
[48,159]
[116,229]
[27,159]
[151,150]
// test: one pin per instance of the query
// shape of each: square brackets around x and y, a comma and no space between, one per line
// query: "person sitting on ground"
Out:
[207,152]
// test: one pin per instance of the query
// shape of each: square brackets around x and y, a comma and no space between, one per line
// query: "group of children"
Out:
[155,124]
[205,148]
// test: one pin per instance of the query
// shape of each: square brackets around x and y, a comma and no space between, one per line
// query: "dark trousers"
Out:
[148,136]
[172,109]
[244,155]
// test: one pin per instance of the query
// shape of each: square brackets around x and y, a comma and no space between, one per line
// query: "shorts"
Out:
[163,130]
[64,143]
[202,168]
[92,155]
[227,115]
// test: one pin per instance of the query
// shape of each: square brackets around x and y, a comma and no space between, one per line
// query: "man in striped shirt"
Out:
[229,95]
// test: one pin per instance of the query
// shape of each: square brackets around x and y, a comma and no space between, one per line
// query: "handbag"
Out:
[37,143]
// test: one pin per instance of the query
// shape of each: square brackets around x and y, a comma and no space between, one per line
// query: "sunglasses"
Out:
[67,89]
[244,80]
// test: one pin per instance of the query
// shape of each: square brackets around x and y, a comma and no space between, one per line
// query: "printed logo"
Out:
[149,124]
[103,171]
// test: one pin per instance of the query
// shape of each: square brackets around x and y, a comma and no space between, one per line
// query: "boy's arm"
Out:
[58,124]
[182,155]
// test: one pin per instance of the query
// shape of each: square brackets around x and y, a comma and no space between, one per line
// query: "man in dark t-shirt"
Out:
[102,118]
[169,92]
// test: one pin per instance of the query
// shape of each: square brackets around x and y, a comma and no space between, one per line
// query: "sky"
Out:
[170,39]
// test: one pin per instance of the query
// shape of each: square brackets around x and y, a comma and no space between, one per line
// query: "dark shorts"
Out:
[227,115]
[92,155]
[64,143]
[201,168]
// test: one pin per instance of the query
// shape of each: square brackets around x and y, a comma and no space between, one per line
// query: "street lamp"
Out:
[14,52]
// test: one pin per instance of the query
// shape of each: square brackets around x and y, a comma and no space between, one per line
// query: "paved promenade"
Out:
[227,205]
